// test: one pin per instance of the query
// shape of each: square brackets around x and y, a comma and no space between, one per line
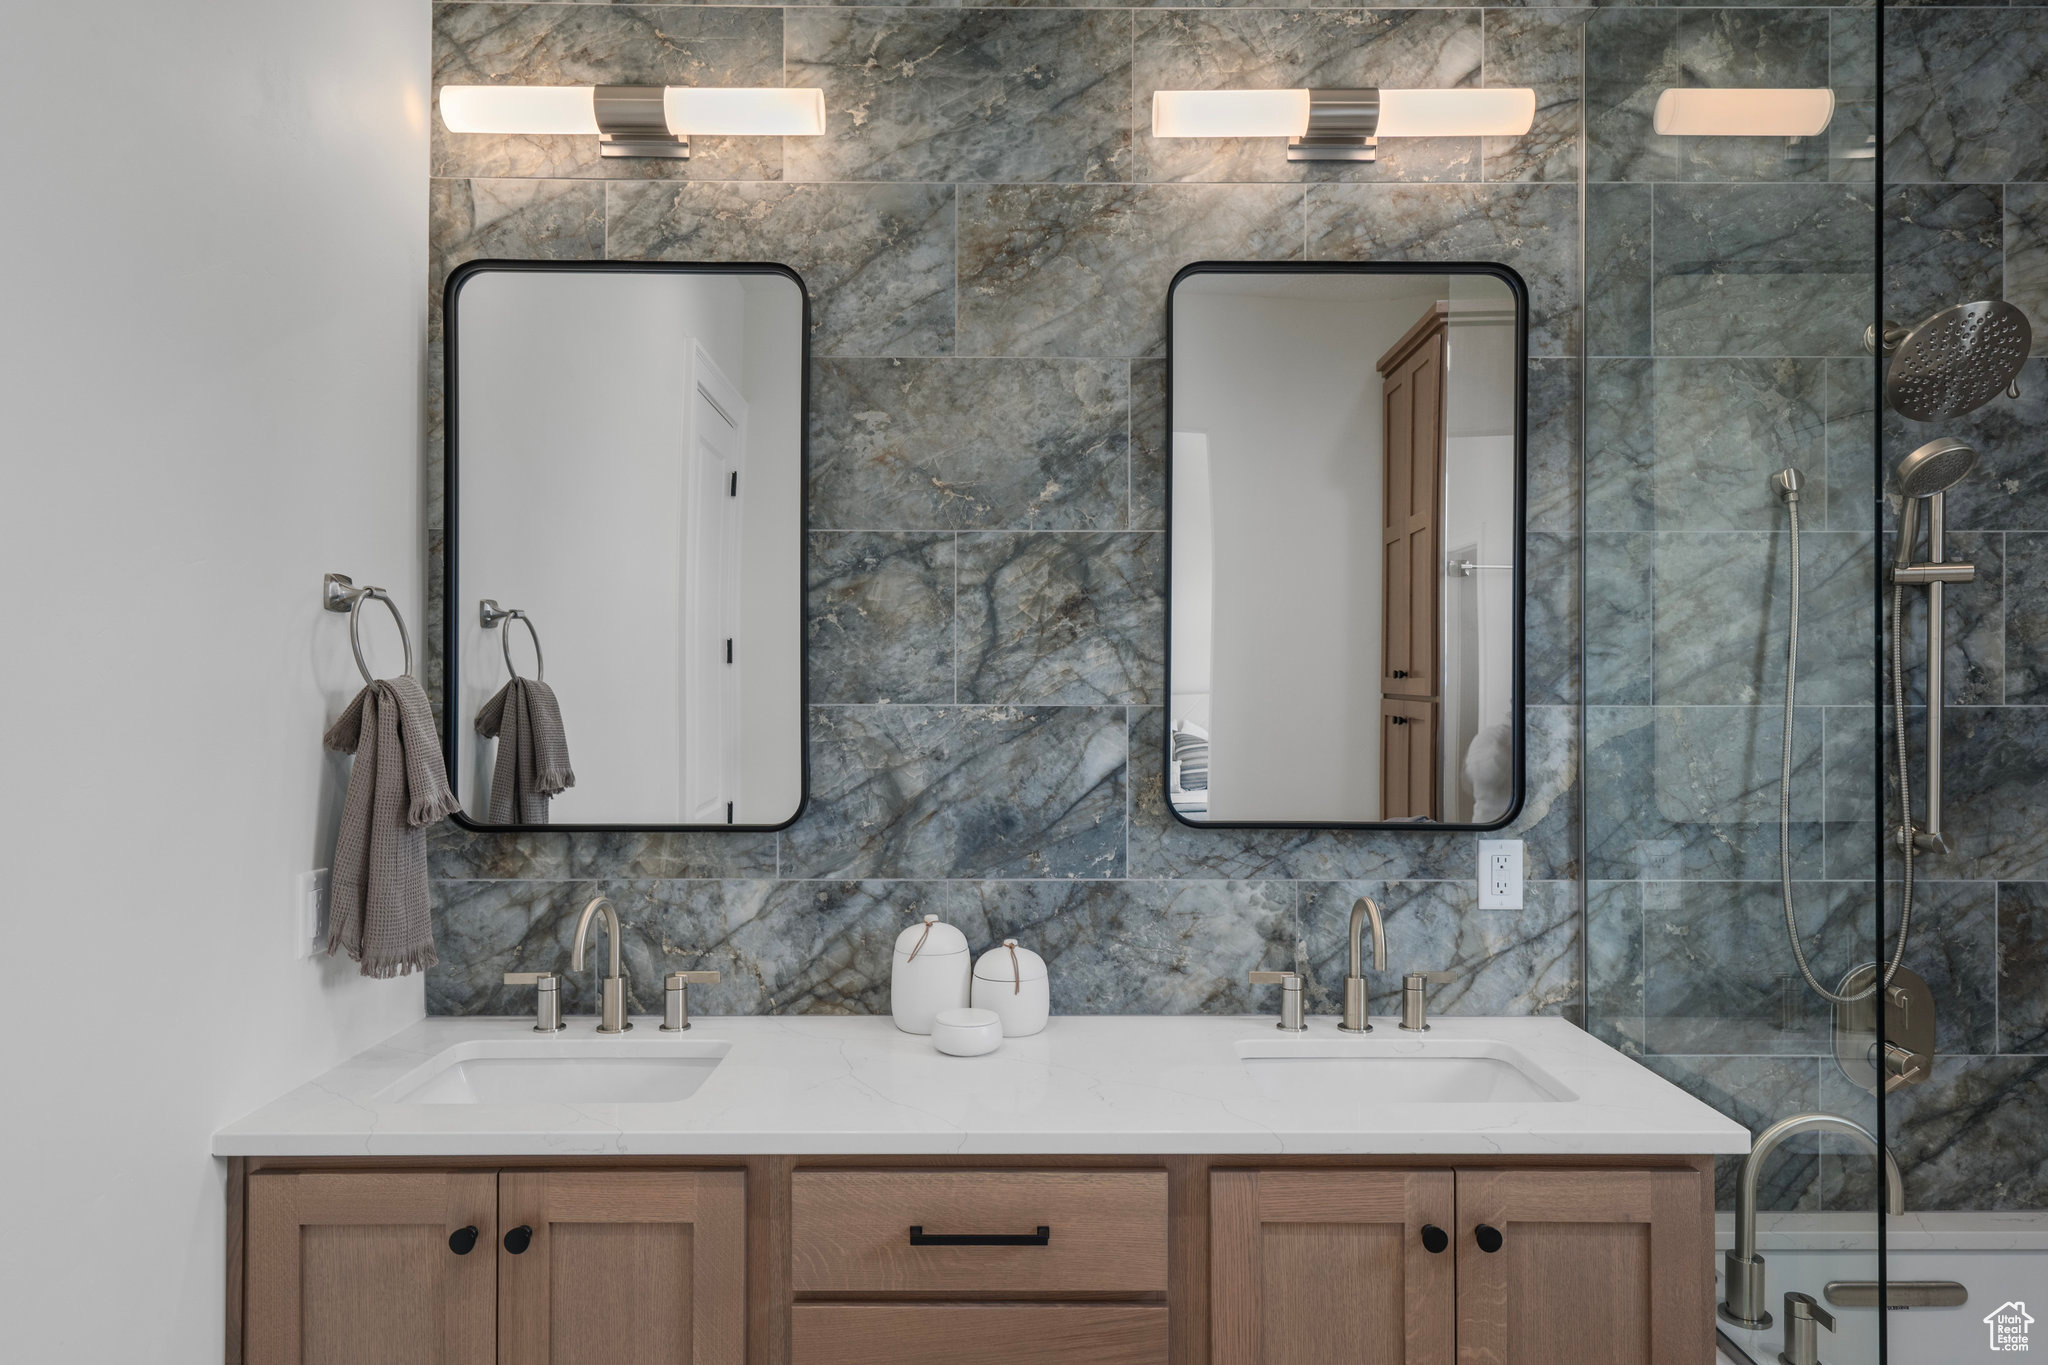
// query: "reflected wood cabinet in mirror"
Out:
[1114,1260]
[1345,545]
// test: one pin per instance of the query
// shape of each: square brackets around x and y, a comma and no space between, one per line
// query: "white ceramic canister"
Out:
[929,974]
[1014,983]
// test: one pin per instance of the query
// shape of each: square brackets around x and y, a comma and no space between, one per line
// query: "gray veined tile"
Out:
[583,44]
[1954,947]
[2026,256]
[964,94]
[1722,429]
[526,220]
[1631,58]
[946,444]
[1995,792]
[878,616]
[1062,619]
[1084,269]
[1692,792]
[1506,961]
[1966,95]
[2008,490]
[1550,607]
[1149,444]
[2022,967]
[1543,50]
[2026,619]
[1555,472]
[1723,608]
[1968,1139]
[962,791]
[1753,48]
[1621,444]
[1756,1092]
[1852,436]
[1943,245]
[877,259]
[1533,229]
[1620,589]
[1975,625]
[1201,49]
[1161,846]
[458,854]
[1618,269]
[1766,270]
[1142,947]
[1614,964]
[1850,791]
[671,854]
[1719,971]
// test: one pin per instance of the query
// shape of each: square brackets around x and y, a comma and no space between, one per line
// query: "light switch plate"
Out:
[1500,874]
[309,912]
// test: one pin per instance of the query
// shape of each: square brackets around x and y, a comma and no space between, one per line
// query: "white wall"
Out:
[211,386]
[771,711]
[1286,391]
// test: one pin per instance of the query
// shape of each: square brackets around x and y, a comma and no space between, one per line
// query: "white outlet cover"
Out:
[1500,874]
[309,912]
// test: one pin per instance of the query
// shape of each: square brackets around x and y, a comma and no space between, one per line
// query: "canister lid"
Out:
[930,939]
[1010,963]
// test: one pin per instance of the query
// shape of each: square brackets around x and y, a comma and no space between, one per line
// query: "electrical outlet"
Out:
[1500,874]
[309,913]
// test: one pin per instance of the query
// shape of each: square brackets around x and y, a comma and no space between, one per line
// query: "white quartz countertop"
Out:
[1087,1085]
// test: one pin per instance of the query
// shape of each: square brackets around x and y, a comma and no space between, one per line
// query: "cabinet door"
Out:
[1408,759]
[1412,571]
[1589,1268]
[623,1268]
[371,1266]
[1330,1267]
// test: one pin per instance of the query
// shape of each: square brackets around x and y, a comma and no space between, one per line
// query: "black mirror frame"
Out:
[1519,705]
[450,524]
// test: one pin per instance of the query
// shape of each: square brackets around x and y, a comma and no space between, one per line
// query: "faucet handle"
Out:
[1291,1016]
[1803,1317]
[1415,998]
[547,1005]
[674,979]
[675,1013]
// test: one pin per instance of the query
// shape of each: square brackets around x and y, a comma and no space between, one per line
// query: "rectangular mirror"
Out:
[1345,544]
[625,512]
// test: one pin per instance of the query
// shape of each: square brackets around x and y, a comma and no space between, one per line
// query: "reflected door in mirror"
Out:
[625,455]
[1345,529]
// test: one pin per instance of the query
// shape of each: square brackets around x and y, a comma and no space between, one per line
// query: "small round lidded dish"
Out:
[1014,982]
[967,1032]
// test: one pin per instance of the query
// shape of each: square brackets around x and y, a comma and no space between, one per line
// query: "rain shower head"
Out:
[1956,361]
[1936,467]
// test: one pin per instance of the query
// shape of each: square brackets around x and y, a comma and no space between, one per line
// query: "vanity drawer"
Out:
[978,1334]
[1106,1231]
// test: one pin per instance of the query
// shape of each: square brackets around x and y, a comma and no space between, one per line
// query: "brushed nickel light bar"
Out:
[1342,125]
[634,120]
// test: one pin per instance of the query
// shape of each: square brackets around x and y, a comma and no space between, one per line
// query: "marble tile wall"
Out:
[987,230]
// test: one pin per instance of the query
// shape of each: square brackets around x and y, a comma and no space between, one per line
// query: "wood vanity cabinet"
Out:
[1124,1260]
[496,1268]
[1476,1266]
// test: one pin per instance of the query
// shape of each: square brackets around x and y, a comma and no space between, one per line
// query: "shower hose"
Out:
[1906,830]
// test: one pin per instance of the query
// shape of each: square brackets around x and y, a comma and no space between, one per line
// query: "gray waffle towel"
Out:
[533,751]
[397,787]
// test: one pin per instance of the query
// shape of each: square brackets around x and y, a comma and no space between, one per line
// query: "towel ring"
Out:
[490,613]
[338,593]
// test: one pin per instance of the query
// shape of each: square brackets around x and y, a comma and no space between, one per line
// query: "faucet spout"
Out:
[611,928]
[611,1008]
[1355,993]
[1744,1305]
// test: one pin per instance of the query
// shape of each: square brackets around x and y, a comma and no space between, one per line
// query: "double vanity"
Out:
[1115,1189]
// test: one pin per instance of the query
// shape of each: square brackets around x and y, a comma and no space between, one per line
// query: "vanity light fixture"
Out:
[634,120]
[1744,113]
[1342,125]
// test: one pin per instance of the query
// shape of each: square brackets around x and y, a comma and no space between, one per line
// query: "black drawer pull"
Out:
[462,1241]
[1435,1240]
[920,1238]
[519,1239]
[1487,1237]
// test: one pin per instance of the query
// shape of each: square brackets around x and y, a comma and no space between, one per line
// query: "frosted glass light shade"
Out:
[1494,112]
[509,109]
[1285,113]
[744,113]
[1229,113]
[1744,113]
[515,109]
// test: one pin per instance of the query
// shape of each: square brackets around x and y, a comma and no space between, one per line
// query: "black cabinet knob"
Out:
[1400,672]
[519,1239]
[1435,1239]
[462,1241]
[1487,1237]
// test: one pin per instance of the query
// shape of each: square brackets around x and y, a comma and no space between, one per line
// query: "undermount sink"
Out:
[561,1071]
[1348,1073]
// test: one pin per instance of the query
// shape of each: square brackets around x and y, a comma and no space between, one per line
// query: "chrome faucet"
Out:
[1354,984]
[1743,1268]
[611,1010]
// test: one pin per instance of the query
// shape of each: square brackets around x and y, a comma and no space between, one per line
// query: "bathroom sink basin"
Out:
[561,1071]
[1367,1072]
